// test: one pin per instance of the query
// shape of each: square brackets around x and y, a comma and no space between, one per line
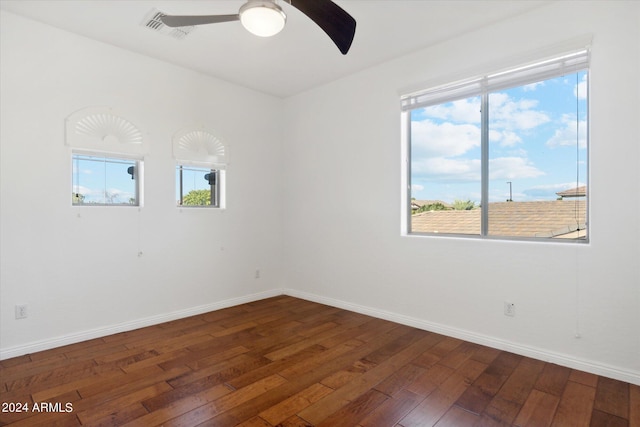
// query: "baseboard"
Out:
[533,352]
[50,343]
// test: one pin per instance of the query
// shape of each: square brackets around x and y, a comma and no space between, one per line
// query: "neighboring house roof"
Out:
[574,192]
[557,218]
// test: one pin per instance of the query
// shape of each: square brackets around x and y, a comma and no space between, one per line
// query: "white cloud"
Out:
[468,170]
[512,168]
[119,196]
[82,189]
[505,138]
[460,131]
[451,170]
[580,90]
[532,86]
[443,140]
[462,111]
[566,135]
[506,113]
[438,147]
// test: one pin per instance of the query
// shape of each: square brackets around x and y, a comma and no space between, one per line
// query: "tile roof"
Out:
[556,218]
[574,192]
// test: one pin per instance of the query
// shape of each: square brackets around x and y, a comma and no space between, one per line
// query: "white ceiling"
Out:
[299,58]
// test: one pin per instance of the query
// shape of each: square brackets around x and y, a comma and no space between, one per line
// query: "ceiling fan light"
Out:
[262,18]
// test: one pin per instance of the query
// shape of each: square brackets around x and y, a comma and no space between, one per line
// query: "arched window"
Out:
[201,161]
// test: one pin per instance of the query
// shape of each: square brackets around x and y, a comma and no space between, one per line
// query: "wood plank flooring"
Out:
[288,362]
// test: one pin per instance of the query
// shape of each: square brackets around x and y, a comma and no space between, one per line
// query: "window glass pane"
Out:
[99,180]
[446,168]
[521,161]
[197,186]
[537,151]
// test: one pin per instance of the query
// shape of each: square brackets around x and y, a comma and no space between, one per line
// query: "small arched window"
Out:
[201,162]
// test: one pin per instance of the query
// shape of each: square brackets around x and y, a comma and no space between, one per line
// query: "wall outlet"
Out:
[257,274]
[509,309]
[21,311]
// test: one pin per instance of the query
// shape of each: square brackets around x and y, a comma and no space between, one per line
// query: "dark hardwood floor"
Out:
[289,362]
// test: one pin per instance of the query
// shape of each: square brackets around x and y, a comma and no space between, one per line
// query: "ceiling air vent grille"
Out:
[153,22]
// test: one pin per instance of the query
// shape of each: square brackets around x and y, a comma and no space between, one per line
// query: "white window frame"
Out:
[555,66]
[138,173]
[199,147]
[218,194]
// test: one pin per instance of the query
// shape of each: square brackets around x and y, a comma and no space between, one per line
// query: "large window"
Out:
[105,180]
[199,186]
[503,155]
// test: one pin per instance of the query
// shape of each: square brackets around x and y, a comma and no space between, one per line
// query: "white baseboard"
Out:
[533,352]
[50,343]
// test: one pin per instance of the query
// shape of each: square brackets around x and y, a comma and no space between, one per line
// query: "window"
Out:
[201,160]
[101,180]
[503,155]
[199,186]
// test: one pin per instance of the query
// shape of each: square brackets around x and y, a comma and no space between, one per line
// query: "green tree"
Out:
[463,205]
[197,198]
[437,206]
[77,198]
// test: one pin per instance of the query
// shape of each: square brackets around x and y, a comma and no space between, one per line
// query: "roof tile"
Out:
[523,219]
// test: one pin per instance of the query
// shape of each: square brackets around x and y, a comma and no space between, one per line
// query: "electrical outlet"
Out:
[21,311]
[257,274]
[509,309]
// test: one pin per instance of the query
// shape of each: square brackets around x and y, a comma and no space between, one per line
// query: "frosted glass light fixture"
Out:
[262,18]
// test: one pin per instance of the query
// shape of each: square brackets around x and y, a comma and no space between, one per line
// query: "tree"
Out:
[77,198]
[463,205]
[197,198]
[437,206]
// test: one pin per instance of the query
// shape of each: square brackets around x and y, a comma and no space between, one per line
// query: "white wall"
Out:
[342,204]
[77,268]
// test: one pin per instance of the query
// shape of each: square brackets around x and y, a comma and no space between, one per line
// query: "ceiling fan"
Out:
[266,18]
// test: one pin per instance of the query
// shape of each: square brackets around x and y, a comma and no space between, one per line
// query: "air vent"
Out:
[153,22]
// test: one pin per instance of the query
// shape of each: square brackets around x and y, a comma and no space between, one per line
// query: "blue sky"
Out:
[532,143]
[108,182]
[101,181]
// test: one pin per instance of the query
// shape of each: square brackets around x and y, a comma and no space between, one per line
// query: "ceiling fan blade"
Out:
[187,21]
[338,24]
